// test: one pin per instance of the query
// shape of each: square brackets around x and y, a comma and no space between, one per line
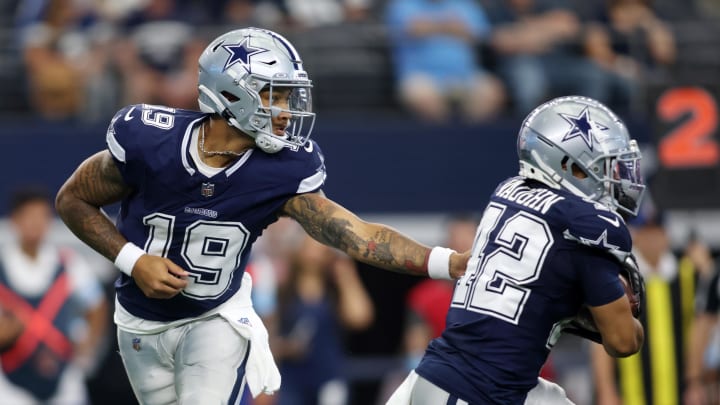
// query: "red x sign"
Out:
[38,324]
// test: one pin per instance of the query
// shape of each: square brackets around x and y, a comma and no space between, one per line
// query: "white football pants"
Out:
[416,390]
[200,362]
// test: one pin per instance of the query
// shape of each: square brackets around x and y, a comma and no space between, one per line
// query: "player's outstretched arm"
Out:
[375,244]
[98,182]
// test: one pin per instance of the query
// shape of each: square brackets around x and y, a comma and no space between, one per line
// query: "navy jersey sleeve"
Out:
[122,142]
[598,273]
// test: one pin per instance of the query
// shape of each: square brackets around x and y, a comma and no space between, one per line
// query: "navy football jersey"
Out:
[539,255]
[204,224]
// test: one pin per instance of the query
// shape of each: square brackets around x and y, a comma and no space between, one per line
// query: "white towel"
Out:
[403,393]
[261,372]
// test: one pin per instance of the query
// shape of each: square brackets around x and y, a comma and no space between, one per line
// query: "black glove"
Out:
[583,325]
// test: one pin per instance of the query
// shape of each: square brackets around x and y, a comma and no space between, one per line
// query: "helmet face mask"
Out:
[237,67]
[582,133]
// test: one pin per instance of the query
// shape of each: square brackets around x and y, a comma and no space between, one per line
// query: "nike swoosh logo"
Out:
[128,117]
[613,221]
[309,147]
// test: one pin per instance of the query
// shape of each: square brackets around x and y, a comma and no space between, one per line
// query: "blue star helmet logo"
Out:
[241,53]
[582,126]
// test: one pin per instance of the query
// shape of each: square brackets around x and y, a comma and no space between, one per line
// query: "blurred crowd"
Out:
[472,60]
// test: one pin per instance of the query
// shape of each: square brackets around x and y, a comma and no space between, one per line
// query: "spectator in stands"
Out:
[702,362]
[654,375]
[157,56]
[535,48]
[632,45]
[53,311]
[308,14]
[322,295]
[65,49]
[707,8]
[245,13]
[435,53]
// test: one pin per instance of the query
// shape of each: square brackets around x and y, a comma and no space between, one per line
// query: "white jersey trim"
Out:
[183,150]
[114,146]
[312,183]
[240,162]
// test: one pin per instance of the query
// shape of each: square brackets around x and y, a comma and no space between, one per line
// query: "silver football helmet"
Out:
[581,133]
[237,66]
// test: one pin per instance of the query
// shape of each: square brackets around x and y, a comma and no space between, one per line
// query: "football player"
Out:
[551,244]
[196,190]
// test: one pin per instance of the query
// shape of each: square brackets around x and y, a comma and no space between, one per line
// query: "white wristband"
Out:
[439,263]
[128,256]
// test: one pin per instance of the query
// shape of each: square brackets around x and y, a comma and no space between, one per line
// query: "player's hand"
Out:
[458,264]
[159,277]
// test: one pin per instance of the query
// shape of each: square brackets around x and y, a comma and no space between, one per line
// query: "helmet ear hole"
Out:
[229,96]
[563,162]
[578,172]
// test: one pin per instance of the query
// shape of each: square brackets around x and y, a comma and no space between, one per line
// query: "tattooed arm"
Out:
[97,182]
[375,244]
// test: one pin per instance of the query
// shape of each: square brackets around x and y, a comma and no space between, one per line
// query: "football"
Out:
[630,294]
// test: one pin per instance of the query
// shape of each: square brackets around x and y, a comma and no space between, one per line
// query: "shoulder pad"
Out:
[121,129]
[595,226]
[302,169]
[314,176]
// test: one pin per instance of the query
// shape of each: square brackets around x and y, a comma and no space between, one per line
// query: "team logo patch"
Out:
[245,321]
[207,189]
[601,241]
[582,126]
[241,53]
[136,344]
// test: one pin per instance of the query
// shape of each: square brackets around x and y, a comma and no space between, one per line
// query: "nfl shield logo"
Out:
[136,344]
[207,189]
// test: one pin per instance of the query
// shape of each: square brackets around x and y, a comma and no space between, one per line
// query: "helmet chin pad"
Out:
[268,143]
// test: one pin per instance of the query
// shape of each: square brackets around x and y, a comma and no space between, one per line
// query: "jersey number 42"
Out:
[498,268]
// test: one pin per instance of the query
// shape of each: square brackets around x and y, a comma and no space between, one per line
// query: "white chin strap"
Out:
[268,143]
